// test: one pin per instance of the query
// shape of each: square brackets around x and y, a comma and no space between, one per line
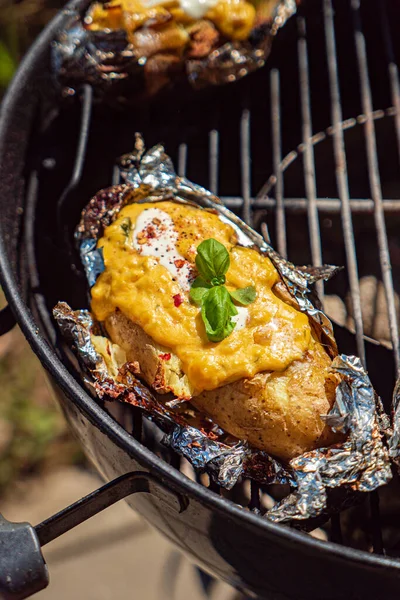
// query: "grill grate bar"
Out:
[182,159]
[329,205]
[277,163]
[308,162]
[377,540]
[393,71]
[255,499]
[265,232]
[116,175]
[214,160]
[80,154]
[245,161]
[374,178]
[341,174]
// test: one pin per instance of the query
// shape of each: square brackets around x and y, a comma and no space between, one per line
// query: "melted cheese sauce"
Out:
[269,335]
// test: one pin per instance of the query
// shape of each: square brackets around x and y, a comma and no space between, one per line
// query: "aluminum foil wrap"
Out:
[359,464]
[394,439]
[92,260]
[140,63]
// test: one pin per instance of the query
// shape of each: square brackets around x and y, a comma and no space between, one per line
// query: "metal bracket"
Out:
[23,571]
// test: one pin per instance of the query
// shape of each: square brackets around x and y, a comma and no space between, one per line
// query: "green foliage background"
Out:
[33,434]
[20,23]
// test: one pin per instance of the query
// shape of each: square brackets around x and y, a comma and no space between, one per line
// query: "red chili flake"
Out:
[165,356]
[177,300]
[151,232]
[179,263]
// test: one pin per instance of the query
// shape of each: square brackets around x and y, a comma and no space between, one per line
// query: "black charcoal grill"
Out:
[324,118]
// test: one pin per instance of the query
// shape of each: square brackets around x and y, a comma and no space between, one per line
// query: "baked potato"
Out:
[267,380]
[129,50]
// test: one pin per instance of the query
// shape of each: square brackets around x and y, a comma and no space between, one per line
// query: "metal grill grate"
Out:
[308,205]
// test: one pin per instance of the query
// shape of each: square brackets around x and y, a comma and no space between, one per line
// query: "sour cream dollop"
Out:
[241,318]
[155,235]
[194,8]
[197,8]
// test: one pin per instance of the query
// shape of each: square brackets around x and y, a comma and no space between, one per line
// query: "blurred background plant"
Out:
[34,438]
[20,23]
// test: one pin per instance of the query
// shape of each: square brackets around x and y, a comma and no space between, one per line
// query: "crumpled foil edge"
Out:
[394,438]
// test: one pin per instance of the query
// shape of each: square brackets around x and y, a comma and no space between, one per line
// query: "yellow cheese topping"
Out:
[275,334]
[170,21]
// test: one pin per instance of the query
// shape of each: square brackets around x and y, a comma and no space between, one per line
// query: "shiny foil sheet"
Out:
[359,464]
[394,439]
[114,66]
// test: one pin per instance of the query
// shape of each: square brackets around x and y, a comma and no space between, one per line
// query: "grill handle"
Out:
[23,570]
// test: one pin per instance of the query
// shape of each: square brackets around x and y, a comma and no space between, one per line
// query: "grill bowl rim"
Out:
[87,405]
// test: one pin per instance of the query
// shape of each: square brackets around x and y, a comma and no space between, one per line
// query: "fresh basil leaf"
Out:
[245,295]
[198,290]
[218,280]
[217,311]
[212,259]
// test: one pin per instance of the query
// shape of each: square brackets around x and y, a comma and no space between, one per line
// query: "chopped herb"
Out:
[126,226]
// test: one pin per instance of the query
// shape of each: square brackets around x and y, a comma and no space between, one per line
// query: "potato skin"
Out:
[159,367]
[277,412]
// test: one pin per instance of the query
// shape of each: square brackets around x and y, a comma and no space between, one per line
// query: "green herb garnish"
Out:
[212,261]
[244,296]
[199,289]
[209,292]
[126,226]
[217,310]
